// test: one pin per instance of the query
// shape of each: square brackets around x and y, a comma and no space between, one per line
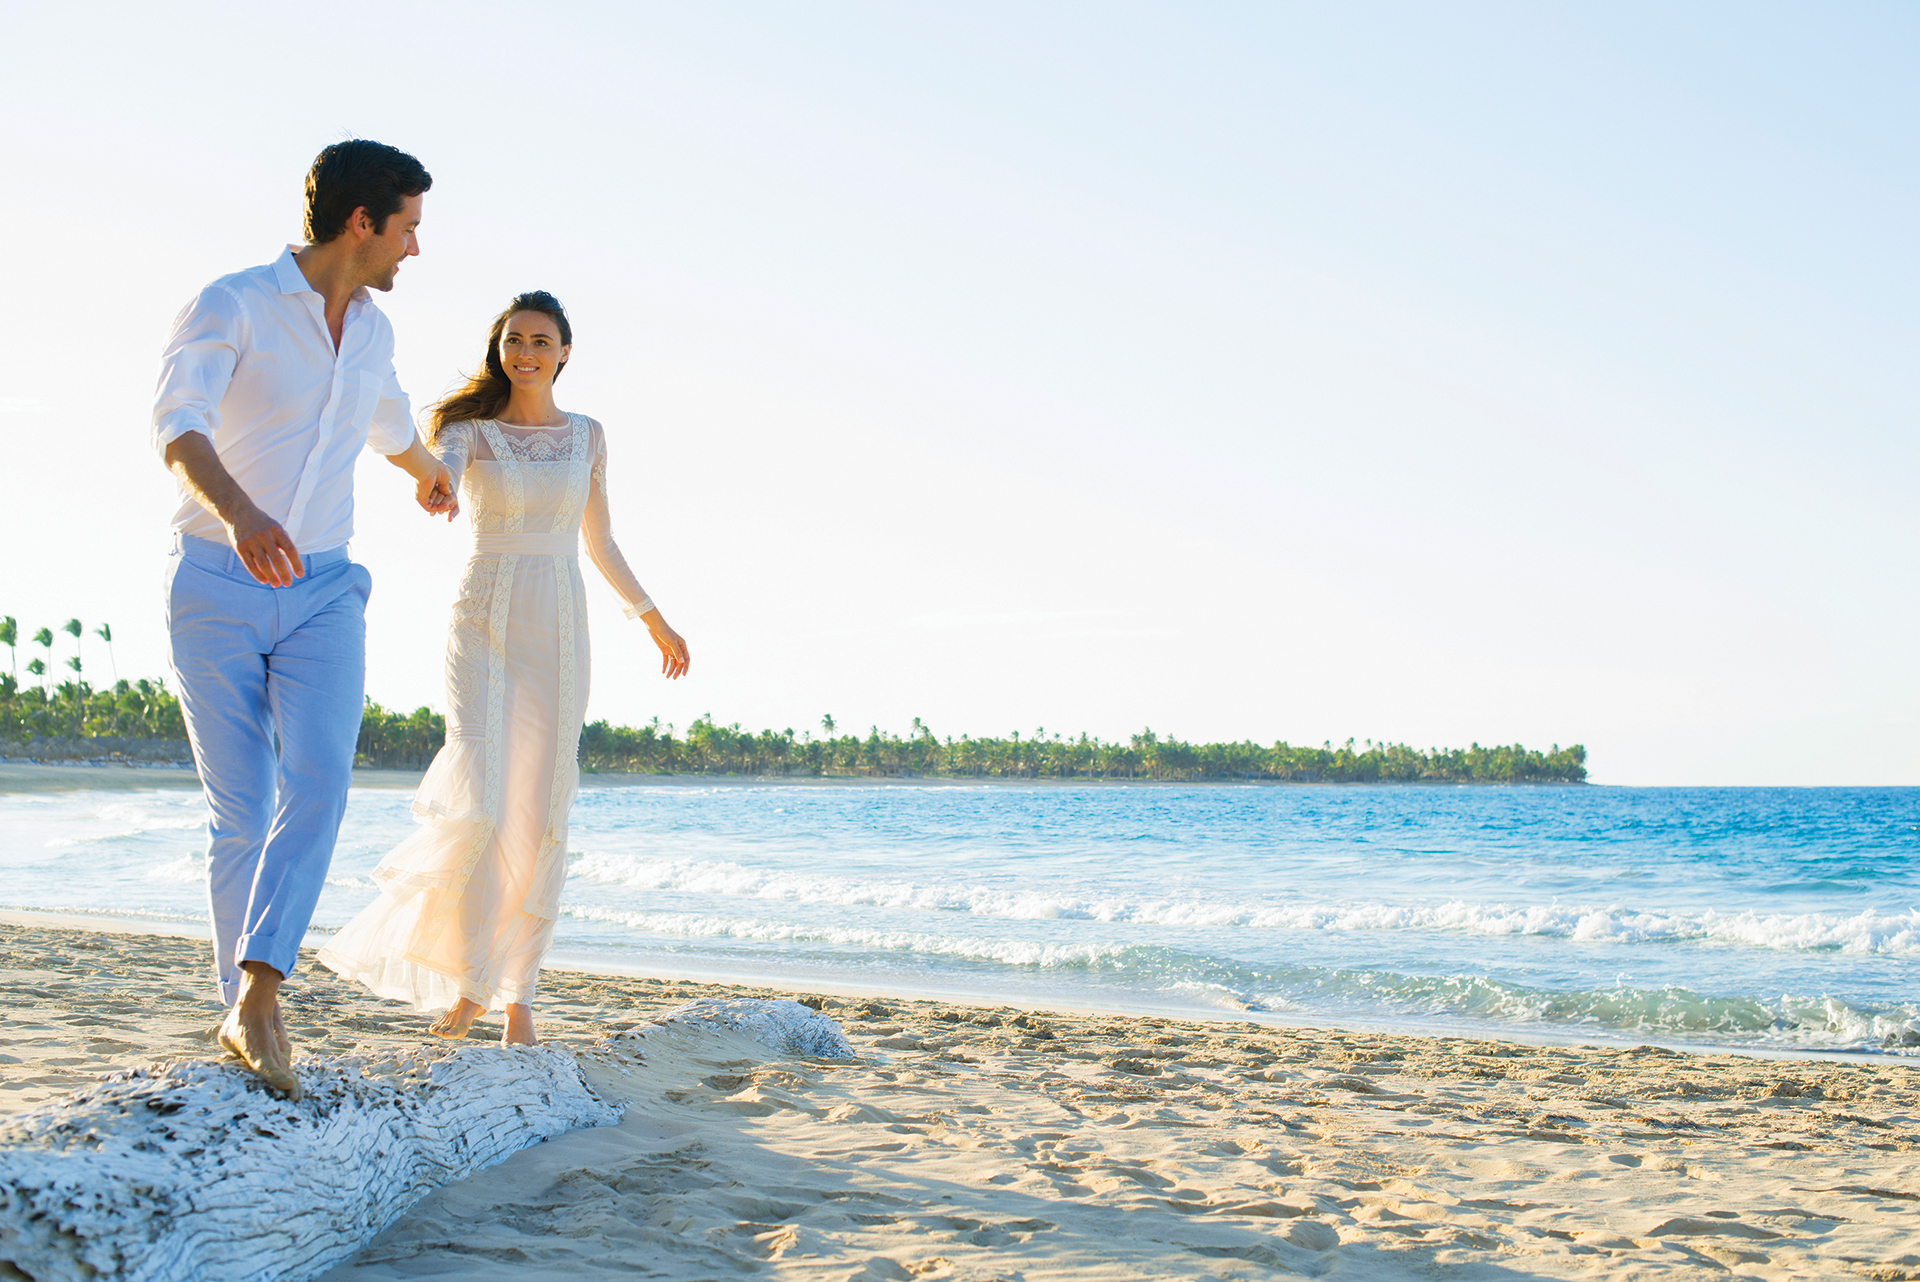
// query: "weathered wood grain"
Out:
[781,1025]
[195,1171]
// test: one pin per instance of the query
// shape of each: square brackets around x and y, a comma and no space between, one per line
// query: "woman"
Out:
[467,904]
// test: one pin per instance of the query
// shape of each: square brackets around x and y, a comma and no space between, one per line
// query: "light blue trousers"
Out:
[253,661]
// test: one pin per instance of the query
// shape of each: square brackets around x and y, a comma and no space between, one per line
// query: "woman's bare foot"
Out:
[454,1024]
[519,1031]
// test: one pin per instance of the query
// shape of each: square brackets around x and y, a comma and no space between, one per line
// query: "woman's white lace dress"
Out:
[467,903]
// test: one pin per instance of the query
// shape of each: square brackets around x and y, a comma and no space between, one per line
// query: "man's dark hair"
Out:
[348,175]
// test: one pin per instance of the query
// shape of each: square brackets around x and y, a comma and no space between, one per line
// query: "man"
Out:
[273,380]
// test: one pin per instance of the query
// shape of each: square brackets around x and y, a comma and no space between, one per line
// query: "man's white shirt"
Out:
[251,366]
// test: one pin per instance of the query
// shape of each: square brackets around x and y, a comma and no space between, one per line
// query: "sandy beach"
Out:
[967,1142]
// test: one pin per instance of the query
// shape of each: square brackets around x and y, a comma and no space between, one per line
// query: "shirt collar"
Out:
[287,274]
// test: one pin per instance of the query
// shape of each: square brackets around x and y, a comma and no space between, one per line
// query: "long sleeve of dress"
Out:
[454,447]
[596,531]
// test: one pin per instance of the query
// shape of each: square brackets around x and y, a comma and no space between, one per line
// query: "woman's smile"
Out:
[531,350]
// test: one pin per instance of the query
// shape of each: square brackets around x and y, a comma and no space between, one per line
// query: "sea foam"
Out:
[1868,932]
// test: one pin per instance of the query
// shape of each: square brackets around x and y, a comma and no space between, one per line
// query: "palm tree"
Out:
[826,723]
[105,633]
[79,696]
[10,637]
[44,638]
[73,629]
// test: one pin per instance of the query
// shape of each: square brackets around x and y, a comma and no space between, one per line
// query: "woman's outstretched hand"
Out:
[674,658]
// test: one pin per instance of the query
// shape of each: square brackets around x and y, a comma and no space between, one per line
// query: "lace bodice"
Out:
[533,444]
[521,479]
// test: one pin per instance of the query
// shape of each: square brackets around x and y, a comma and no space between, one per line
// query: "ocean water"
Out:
[1762,919]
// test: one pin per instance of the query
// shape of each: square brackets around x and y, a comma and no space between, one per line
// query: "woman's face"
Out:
[530,349]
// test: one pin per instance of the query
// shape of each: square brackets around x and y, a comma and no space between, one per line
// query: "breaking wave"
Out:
[1868,932]
[1789,1021]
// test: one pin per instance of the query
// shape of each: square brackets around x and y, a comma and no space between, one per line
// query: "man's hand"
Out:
[262,543]
[435,493]
[433,485]
[265,549]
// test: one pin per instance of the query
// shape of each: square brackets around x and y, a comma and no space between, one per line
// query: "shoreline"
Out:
[968,1141]
[578,966]
[23,774]
[881,966]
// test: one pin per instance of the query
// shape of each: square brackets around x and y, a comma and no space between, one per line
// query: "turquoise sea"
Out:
[1766,919]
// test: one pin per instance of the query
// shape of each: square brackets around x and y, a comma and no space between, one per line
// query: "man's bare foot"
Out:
[454,1024]
[254,1034]
[519,1031]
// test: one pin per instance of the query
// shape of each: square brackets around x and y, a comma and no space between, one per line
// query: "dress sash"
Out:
[526,544]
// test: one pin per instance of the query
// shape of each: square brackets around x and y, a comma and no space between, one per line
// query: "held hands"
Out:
[674,658]
[433,487]
[264,548]
[433,491]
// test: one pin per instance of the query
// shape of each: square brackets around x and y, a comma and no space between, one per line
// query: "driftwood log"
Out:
[195,1171]
[782,1026]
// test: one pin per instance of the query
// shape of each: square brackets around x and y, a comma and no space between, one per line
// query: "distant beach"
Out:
[35,774]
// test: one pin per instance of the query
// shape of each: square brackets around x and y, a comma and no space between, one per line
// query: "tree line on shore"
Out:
[708,747]
[74,708]
[393,739]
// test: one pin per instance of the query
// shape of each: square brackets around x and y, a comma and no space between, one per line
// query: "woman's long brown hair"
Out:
[486,390]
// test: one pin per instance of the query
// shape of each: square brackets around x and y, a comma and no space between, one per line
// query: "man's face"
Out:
[379,256]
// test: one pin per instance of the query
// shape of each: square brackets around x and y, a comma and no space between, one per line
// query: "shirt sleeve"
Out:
[197,366]
[390,430]
[596,528]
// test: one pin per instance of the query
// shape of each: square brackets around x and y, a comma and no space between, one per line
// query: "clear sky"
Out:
[1418,372]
